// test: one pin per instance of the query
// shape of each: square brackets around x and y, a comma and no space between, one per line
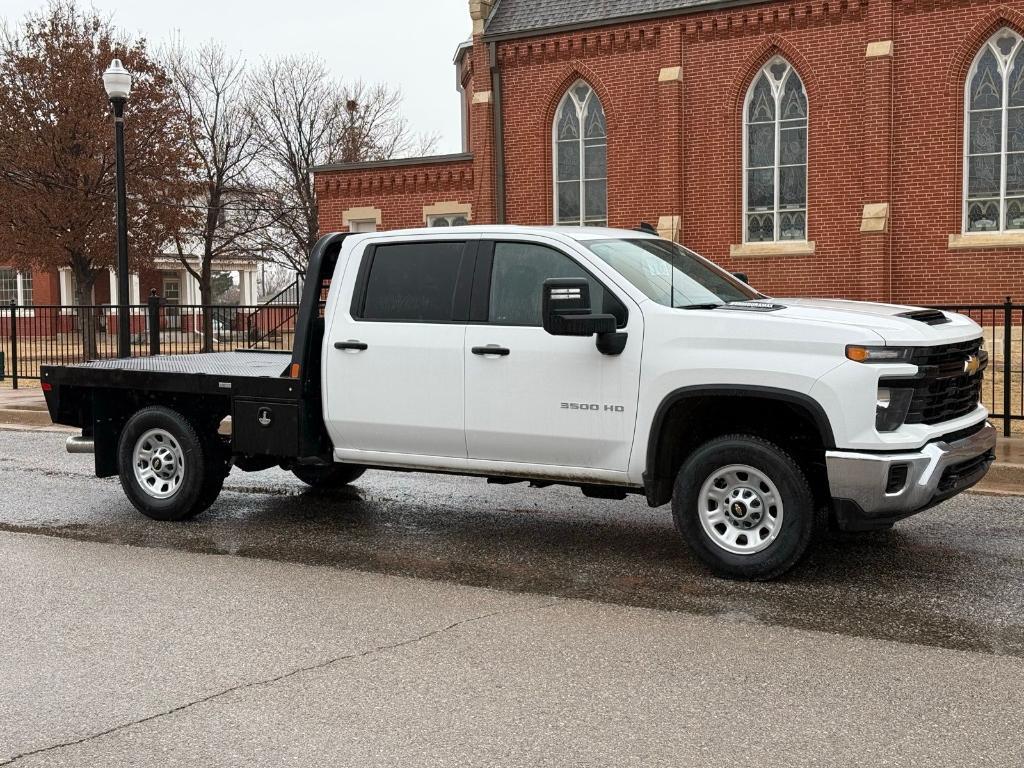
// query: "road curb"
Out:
[25,416]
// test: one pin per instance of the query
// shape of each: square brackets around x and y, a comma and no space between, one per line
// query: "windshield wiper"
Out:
[700,306]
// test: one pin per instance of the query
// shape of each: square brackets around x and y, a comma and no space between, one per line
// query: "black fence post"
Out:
[1007,369]
[14,345]
[154,322]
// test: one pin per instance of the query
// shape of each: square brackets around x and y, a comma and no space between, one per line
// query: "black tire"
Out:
[203,467]
[325,478]
[799,517]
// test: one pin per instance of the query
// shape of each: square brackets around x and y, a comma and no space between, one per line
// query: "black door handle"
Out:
[356,345]
[492,350]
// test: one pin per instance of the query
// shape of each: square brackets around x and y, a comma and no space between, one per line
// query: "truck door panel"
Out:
[394,354]
[551,399]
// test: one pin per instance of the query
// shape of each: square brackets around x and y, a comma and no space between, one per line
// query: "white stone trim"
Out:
[980,240]
[451,208]
[669,226]
[879,49]
[361,214]
[768,250]
[875,218]
[483,97]
[670,75]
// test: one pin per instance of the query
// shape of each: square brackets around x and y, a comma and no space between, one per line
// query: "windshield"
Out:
[670,274]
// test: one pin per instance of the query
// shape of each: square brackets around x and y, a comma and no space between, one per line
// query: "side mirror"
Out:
[566,309]
[742,277]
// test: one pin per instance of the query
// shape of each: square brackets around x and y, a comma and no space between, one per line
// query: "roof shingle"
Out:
[524,16]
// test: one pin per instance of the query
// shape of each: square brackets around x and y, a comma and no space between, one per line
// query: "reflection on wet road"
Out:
[952,577]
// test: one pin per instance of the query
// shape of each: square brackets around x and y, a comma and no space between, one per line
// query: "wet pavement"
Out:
[952,577]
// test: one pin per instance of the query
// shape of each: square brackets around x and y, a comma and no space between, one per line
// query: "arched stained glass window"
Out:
[581,159]
[994,137]
[775,155]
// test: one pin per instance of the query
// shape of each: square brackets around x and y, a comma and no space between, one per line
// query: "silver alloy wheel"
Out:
[740,509]
[159,463]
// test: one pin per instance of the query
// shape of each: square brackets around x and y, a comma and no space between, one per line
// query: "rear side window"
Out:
[517,279]
[414,282]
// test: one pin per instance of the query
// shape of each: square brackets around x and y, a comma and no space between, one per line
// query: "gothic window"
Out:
[994,137]
[581,159]
[775,155]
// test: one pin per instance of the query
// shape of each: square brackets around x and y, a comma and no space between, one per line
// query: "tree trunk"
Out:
[85,279]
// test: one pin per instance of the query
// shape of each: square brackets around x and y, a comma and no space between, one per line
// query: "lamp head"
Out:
[117,81]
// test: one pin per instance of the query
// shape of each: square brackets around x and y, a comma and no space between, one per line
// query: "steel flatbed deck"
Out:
[240,373]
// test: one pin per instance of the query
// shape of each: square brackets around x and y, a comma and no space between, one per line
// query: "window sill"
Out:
[980,240]
[768,250]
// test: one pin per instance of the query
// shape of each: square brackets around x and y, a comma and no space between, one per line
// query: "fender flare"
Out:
[798,399]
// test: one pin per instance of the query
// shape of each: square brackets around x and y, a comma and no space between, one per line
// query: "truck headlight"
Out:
[861,354]
[891,408]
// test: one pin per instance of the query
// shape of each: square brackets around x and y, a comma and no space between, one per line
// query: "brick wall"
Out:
[882,129]
[400,192]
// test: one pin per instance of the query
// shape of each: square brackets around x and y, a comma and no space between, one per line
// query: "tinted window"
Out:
[413,282]
[517,279]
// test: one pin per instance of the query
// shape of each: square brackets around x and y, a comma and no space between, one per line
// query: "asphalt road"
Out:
[120,656]
[951,578]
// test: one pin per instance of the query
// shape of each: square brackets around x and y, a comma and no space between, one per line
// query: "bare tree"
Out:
[57,154]
[374,128]
[306,118]
[298,112]
[212,92]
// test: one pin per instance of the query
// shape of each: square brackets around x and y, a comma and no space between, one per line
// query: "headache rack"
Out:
[947,385]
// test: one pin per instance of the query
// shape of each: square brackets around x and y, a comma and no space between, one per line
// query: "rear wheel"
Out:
[168,471]
[334,476]
[745,507]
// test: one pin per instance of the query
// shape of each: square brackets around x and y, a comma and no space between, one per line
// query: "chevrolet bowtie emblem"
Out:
[972,365]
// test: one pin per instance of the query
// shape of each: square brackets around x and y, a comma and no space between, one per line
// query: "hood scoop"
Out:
[753,306]
[926,316]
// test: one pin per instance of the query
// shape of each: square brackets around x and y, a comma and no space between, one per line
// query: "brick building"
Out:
[865,148]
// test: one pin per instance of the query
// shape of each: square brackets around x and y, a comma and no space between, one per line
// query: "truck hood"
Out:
[887,320]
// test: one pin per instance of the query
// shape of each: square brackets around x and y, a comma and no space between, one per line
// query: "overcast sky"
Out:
[406,43]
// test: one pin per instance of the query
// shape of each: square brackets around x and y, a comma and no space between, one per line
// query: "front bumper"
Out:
[868,490]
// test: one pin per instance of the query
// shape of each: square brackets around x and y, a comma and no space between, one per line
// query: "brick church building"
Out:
[864,148]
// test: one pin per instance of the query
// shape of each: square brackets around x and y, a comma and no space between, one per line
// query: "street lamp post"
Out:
[118,83]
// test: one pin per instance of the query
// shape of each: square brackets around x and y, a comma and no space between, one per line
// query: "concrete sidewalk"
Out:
[26,407]
[113,655]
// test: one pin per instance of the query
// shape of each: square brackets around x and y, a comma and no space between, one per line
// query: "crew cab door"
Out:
[534,398]
[394,369]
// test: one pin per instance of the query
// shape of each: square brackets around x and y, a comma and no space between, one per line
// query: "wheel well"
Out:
[686,422]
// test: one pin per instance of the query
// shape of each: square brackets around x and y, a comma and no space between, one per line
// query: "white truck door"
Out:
[394,363]
[542,399]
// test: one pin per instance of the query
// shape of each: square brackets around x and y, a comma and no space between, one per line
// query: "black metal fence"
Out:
[1003,324]
[60,335]
[32,336]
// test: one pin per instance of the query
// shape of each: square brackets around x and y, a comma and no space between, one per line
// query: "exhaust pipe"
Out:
[80,444]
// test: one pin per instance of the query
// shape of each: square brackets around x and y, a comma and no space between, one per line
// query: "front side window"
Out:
[412,282]
[581,159]
[775,156]
[15,287]
[517,280]
[670,274]
[994,137]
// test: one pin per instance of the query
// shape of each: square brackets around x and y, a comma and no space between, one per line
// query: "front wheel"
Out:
[744,506]
[168,470]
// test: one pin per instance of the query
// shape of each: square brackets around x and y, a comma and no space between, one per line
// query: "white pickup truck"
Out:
[610,360]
